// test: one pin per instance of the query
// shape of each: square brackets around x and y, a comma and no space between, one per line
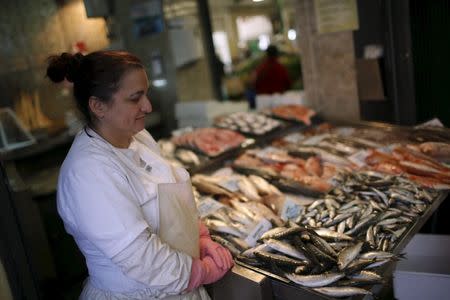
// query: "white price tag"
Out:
[226,171]
[208,206]
[344,131]
[270,153]
[291,209]
[268,150]
[435,122]
[387,149]
[359,158]
[257,231]
[231,185]
[314,140]
[294,138]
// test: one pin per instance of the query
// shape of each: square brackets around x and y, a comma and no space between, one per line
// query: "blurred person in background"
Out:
[270,76]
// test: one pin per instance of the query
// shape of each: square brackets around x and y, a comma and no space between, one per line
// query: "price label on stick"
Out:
[314,140]
[359,158]
[231,185]
[208,206]
[262,226]
[291,209]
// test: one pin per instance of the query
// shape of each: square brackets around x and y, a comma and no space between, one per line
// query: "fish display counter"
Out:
[324,211]
[309,208]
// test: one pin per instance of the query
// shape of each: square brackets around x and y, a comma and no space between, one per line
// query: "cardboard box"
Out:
[370,84]
[425,273]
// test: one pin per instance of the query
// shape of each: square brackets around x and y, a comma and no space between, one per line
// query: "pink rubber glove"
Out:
[204,271]
[221,256]
[203,230]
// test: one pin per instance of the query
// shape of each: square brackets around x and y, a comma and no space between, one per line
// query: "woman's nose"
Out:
[147,105]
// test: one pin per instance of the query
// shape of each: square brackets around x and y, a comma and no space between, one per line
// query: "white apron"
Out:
[178,227]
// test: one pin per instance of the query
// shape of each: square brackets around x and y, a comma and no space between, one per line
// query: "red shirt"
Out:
[271,77]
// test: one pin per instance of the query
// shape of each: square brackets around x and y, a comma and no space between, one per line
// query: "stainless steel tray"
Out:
[282,289]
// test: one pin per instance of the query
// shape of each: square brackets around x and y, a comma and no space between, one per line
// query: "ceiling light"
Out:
[264,42]
[292,34]
[159,82]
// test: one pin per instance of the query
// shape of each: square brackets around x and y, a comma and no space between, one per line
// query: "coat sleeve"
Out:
[103,209]
[148,260]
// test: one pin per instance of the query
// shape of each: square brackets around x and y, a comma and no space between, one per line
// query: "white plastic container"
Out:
[425,273]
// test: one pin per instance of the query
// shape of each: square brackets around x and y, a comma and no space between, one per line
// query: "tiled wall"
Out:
[194,82]
[30,31]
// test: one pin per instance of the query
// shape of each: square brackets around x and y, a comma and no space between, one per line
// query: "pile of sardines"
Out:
[324,208]
[335,244]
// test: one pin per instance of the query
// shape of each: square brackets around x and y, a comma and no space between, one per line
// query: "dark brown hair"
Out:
[97,74]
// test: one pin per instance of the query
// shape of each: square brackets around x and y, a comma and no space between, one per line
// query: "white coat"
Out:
[112,212]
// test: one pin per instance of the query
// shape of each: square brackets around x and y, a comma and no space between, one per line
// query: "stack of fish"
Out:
[370,206]
[294,112]
[308,258]
[340,147]
[179,157]
[308,176]
[238,209]
[437,150]
[335,242]
[411,164]
[240,193]
[248,123]
[333,147]
[209,141]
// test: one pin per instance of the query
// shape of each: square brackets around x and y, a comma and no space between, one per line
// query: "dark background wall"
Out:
[30,31]
[373,30]
[430,31]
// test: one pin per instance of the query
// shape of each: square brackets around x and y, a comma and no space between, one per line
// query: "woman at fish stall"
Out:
[130,212]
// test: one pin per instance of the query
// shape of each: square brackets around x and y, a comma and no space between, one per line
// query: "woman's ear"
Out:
[97,107]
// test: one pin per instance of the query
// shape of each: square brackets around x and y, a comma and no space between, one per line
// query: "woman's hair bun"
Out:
[64,66]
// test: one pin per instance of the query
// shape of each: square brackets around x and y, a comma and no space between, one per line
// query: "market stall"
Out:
[321,211]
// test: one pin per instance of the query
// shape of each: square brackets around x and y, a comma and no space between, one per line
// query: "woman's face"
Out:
[125,114]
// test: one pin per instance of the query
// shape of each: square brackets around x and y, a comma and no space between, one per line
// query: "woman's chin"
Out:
[140,125]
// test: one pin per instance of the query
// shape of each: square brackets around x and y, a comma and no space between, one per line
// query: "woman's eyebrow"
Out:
[137,93]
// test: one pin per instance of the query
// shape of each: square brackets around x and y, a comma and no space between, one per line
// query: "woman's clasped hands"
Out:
[213,264]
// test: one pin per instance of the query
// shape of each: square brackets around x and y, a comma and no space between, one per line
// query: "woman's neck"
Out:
[112,137]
